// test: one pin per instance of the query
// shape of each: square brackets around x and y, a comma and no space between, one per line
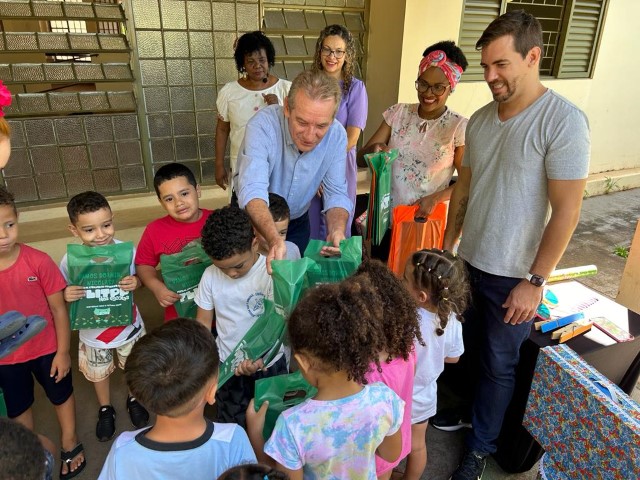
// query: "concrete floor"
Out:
[606,221]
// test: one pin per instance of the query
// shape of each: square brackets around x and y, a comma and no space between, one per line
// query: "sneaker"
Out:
[471,467]
[137,413]
[106,426]
[449,420]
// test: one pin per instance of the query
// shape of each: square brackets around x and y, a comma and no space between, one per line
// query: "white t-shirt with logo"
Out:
[238,302]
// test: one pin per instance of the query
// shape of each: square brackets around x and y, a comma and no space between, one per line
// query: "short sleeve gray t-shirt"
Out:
[510,163]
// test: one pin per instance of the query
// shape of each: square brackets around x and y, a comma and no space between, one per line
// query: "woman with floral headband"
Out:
[428,135]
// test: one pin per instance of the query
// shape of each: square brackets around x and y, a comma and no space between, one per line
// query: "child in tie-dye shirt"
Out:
[336,334]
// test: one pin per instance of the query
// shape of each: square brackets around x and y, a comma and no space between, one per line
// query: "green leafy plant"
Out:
[621,251]
[586,193]
[610,185]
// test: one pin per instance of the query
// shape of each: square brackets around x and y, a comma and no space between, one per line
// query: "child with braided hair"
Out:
[335,333]
[438,282]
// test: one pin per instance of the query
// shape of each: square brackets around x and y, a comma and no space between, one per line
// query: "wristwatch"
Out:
[536,280]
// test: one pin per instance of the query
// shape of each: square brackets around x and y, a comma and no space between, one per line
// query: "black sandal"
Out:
[67,459]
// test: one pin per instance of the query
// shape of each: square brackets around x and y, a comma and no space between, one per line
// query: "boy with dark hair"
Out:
[174,372]
[22,456]
[281,214]
[31,283]
[179,194]
[235,287]
[92,222]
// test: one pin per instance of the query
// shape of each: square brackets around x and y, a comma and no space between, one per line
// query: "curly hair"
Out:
[253,42]
[169,367]
[442,276]
[350,55]
[227,232]
[340,326]
[400,320]
[253,471]
[452,51]
[86,202]
[7,198]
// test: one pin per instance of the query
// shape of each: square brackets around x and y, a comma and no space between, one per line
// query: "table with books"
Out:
[517,449]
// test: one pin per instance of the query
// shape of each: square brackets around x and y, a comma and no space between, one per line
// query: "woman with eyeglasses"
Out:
[428,135]
[336,56]
[239,100]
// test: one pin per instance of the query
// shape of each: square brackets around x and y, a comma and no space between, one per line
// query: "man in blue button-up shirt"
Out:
[291,151]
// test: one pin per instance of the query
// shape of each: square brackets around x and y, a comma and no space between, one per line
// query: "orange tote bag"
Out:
[410,234]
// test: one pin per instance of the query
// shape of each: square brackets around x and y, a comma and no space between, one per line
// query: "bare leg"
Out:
[102,392]
[385,476]
[69,439]
[417,459]
[26,419]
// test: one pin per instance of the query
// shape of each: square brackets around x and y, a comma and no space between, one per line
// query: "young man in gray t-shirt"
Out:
[517,202]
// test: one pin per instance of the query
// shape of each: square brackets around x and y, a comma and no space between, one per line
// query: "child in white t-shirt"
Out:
[438,282]
[234,287]
[92,222]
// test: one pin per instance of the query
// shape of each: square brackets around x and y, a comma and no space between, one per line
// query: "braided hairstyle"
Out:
[253,471]
[340,326]
[443,277]
[400,320]
[350,55]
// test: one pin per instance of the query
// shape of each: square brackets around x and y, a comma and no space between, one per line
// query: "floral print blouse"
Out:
[426,151]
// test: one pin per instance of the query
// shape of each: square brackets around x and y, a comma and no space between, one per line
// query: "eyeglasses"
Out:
[438,89]
[327,52]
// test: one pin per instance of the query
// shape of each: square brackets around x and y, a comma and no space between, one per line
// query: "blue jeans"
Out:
[497,348]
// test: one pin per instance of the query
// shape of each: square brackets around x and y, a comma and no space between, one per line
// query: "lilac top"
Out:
[352,111]
[398,376]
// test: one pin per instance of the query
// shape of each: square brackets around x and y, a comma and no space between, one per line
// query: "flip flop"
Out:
[33,325]
[10,323]
[67,459]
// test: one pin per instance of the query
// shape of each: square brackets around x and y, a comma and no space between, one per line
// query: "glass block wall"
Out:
[74,113]
[54,158]
[293,27]
[185,51]
[138,88]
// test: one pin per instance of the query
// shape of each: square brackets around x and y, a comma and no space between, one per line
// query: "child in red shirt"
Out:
[179,194]
[31,283]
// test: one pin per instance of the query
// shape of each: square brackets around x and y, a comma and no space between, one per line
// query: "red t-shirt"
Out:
[24,287]
[166,236]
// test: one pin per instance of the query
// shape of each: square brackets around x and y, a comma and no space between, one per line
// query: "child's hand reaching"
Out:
[60,366]
[129,283]
[255,426]
[166,297]
[255,420]
[73,293]
[249,367]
